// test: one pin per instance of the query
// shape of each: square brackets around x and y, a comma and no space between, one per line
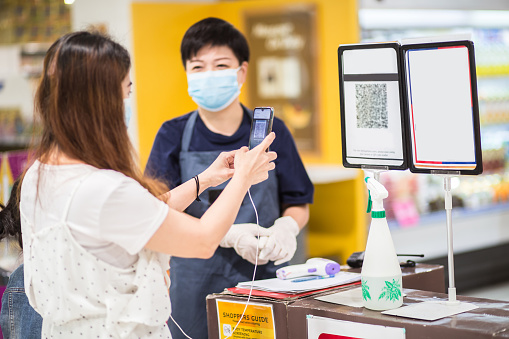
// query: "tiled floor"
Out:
[498,292]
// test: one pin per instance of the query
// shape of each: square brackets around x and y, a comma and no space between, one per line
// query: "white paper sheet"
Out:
[288,286]
[351,298]
[431,310]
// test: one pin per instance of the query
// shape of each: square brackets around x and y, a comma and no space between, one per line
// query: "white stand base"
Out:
[431,310]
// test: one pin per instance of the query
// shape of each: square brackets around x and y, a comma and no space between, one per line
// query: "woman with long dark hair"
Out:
[96,234]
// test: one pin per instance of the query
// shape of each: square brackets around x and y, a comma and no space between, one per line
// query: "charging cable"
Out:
[180,328]
[254,271]
[252,281]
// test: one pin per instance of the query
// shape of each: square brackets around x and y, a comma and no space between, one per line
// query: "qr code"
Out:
[371,105]
[227,330]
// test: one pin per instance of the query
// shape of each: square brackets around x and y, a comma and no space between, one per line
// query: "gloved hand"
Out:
[282,242]
[243,239]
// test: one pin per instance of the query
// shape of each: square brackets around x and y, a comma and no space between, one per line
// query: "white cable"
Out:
[254,272]
[252,281]
[180,328]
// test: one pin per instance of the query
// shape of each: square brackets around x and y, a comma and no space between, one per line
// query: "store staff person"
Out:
[215,57]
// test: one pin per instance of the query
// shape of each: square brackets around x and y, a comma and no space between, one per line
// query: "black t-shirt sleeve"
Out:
[295,187]
[163,162]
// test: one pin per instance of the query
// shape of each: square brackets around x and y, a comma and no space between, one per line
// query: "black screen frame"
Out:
[475,107]
[402,103]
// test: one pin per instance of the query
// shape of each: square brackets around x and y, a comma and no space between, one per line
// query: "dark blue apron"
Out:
[193,279]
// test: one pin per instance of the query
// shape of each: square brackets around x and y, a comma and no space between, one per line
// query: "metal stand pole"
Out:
[450,252]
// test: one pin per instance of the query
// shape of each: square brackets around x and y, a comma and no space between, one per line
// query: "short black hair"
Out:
[213,32]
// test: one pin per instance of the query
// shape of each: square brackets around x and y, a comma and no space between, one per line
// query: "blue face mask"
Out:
[213,90]
[128,111]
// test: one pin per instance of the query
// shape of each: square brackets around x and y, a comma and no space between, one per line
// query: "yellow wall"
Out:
[337,225]
[161,87]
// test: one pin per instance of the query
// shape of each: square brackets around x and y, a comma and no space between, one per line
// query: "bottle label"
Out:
[382,293]
[378,214]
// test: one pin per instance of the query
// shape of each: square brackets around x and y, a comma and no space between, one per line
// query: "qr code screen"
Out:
[371,105]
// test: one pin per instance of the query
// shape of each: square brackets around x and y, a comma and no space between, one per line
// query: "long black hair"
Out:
[10,223]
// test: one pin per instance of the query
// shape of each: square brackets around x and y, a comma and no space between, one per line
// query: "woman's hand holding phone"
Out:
[220,170]
[254,165]
[249,163]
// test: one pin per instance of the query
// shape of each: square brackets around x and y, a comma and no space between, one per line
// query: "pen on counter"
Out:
[315,277]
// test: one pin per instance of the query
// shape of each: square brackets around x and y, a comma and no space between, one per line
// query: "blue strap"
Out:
[188,131]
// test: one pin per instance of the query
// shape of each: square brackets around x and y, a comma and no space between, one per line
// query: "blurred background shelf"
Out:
[326,174]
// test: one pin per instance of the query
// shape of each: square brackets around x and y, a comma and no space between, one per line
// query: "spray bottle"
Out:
[381,273]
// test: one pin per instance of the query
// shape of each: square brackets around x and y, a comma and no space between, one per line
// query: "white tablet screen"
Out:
[440,108]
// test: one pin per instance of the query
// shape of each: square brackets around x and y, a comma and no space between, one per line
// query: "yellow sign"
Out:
[257,322]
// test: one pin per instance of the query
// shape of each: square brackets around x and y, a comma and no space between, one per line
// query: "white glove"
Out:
[244,240]
[282,242]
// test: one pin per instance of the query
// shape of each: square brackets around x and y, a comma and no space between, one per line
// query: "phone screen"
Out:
[261,126]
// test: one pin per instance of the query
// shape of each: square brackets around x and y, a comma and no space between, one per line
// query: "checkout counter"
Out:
[421,283]
[489,320]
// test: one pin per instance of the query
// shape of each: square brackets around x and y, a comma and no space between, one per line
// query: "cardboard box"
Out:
[279,310]
[224,309]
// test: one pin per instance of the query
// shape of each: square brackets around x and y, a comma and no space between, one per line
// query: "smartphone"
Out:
[261,125]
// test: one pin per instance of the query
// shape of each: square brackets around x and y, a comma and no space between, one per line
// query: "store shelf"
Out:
[472,230]
[492,71]
[14,143]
